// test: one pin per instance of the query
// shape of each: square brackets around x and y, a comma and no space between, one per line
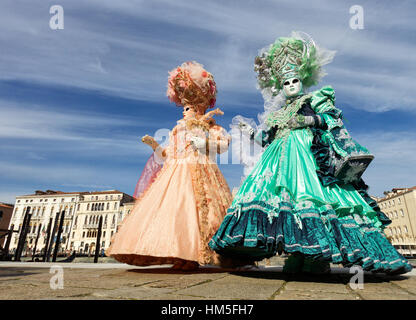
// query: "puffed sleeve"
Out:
[219,138]
[323,104]
[337,154]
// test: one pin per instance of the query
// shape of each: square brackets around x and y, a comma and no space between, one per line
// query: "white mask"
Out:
[292,87]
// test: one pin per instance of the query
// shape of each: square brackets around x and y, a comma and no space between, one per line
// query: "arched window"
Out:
[86,219]
[114,219]
[108,205]
[88,207]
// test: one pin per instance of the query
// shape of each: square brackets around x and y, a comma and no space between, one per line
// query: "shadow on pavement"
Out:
[167,270]
[323,278]
[12,272]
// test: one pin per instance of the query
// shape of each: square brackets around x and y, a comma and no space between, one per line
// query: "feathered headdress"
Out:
[296,56]
[191,84]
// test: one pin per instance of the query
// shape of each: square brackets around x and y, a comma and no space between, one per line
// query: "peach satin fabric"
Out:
[180,211]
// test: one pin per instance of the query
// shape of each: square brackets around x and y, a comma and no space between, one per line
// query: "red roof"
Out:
[6,205]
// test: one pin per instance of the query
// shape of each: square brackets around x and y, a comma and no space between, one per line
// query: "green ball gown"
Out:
[293,200]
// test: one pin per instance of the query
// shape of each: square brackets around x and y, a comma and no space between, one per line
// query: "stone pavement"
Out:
[119,281]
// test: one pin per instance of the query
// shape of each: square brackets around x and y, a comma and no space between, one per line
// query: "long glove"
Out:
[198,143]
[246,129]
[301,121]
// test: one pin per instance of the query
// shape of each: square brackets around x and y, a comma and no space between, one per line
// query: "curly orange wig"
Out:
[191,84]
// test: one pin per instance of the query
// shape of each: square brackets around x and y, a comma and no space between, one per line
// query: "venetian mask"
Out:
[292,87]
[188,112]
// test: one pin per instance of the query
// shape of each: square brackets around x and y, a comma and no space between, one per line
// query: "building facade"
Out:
[399,205]
[80,225]
[6,212]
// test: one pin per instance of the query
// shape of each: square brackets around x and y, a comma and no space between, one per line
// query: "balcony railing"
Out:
[90,226]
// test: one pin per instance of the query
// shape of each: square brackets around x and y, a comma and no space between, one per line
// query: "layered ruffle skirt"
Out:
[283,206]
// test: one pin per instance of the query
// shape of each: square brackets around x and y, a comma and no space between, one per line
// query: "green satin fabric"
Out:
[287,172]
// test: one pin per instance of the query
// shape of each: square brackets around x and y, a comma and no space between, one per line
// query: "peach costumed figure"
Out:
[184,204]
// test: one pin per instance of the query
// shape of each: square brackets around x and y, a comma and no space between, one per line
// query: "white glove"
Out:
[301,121]
[246,128]
[198,143]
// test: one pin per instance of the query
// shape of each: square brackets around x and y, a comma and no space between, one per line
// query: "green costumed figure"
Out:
[304,194]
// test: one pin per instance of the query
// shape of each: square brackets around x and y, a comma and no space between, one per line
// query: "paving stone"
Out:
[314,295]
[174,296]
[30,283]
[35,292]
[408,284]
[236,287]
[386,296]
[132,293]
[186,281]
[381,288]
[316,286]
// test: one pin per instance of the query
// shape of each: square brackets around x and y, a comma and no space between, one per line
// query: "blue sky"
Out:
[74,102]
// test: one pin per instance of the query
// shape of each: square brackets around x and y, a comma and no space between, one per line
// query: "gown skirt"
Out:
[176,216]
[283,206]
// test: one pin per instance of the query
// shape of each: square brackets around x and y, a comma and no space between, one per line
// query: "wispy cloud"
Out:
[125,49]
[125,58]
[394,161]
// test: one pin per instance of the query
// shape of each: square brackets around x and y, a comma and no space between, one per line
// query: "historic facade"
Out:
[6,212]
[82,213]
[400,206]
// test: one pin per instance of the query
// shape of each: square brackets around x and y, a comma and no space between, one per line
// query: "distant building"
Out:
[399,205]
[6,212]
[82,213]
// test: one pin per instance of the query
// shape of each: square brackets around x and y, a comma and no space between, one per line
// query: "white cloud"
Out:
[130,55]
[394,163]
[67,131]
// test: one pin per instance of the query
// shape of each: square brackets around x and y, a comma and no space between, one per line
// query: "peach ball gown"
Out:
[176,216]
